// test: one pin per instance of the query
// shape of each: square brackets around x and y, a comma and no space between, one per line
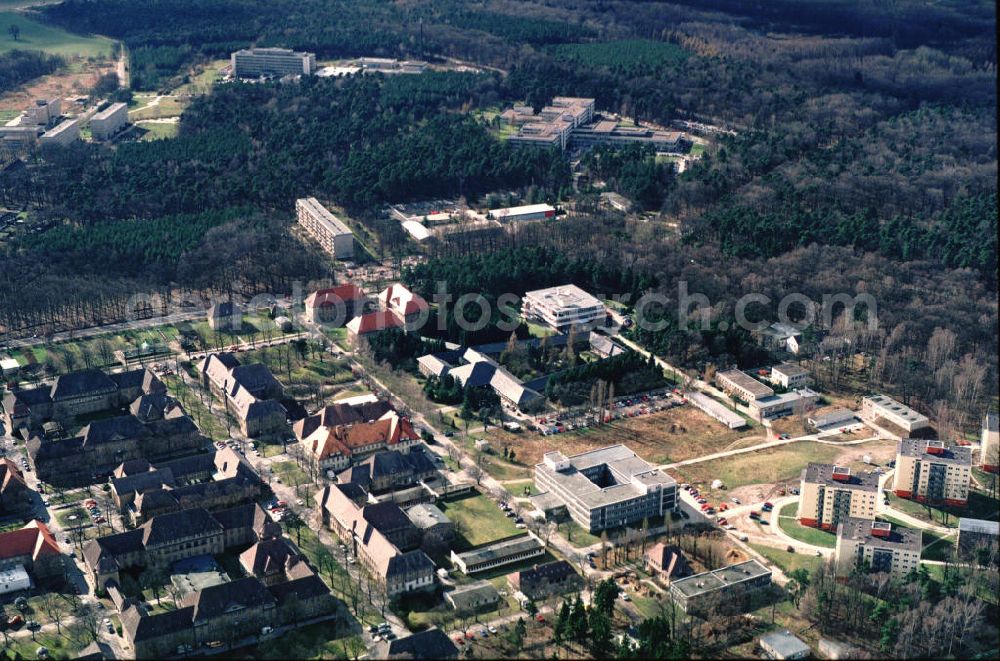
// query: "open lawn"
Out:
[764,466]
[315,641]
[478,520]
[936,546]
[64,646]
[35,35]
[980,507]
[788,562]
[576,535]
[680,433]
[167,106]
[153,130]
[782,464]
[289,472]
[795,530]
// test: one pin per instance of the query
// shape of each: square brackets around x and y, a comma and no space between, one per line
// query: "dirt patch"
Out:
[880,452]
[664,437]
[61,84]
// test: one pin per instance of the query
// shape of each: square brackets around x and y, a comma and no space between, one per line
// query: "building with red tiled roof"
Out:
[16,497]
[32,547]
[339,446]
[335,305]
[401,301]
[372,322]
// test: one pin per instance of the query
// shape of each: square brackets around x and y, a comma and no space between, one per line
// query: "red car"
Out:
[468,635]
[459,640]
[539,618]
[769,504]
[723,521]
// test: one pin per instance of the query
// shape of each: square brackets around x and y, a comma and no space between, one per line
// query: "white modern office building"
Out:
[256,62]
[562,307]
[607,488]
[328,230]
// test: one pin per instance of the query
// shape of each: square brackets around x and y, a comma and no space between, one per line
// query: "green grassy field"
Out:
[764,466]
[795,530]
[479,519]
[158,130]
[788,561]
[38,36]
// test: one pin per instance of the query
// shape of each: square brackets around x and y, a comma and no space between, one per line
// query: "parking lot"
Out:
[625,407]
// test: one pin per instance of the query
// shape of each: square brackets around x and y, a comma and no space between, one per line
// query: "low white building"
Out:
[14,579]
[883,407]
[790,375]
[563,306]
[527,212]
[8,366]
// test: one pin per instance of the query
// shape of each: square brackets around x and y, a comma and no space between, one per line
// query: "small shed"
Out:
[783,645]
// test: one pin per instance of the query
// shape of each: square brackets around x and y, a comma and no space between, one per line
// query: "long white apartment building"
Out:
[562,307]
[328,230]
[256,62]
[526,212]
[883,407]
[63,134]
[931,471]
[877,545]
[830,494]
[109,121]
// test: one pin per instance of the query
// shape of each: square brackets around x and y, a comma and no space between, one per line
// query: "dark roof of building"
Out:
[215,600]
[950,454]
[147,627]
[223,309]
[149,407]
[131,467]
[429,644]
[306,587]
[409,563]
[122,427]
[138,378]
[551,572]
[386,517]
[823,474]
[84,382]
[254,376]
[171,526]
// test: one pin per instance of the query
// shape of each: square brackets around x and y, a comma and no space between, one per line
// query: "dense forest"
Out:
[19,66]
[859,155]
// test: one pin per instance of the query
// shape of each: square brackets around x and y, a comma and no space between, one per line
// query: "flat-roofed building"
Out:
[790,375]
[829,494]
[742,386]
[779,406]
[527,212]
[878,545]
[563,306]
[501,553]
[881,407]
[715,409]
[784,646]
[931,471]
[832,418]
[63,134]
[989,448]
[256,62]
[607,488]
[328,230]
[728,587]
[43,112]
[976,537]
[109,121]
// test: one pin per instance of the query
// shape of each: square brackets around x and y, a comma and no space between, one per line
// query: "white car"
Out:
[300,502]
